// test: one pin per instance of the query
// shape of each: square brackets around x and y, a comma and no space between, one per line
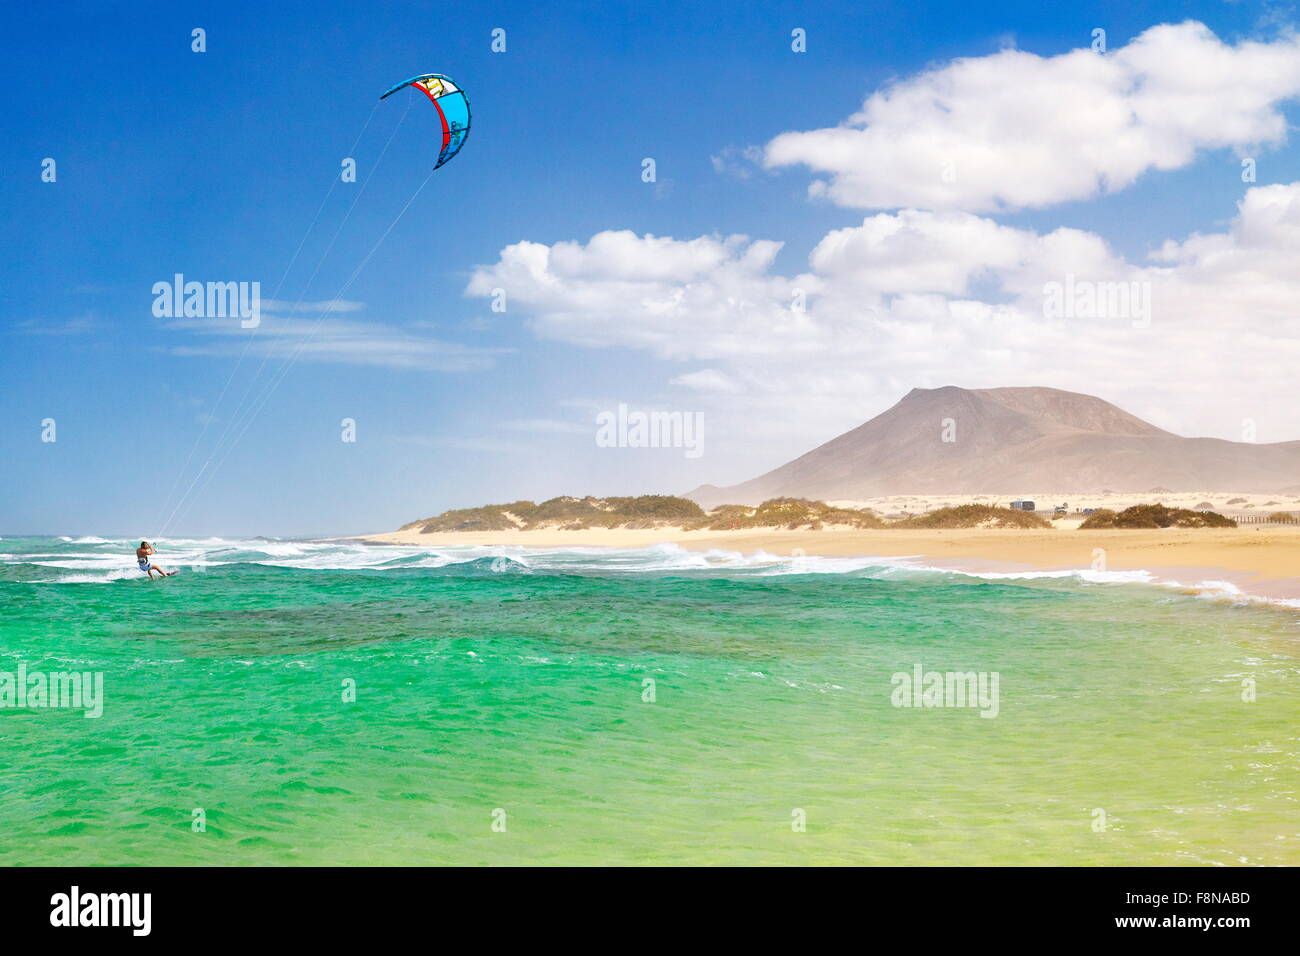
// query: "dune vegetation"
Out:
[664,511]
[644,511]
[1155,516]
[974,516]
[568,514]
[486,518]
[789,513]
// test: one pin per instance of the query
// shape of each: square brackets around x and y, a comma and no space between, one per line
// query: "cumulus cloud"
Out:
[680,298]
[931,298]
[1015,130]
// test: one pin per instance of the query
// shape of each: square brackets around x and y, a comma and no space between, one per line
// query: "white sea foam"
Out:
[106,577]
[105,561]
[1089,575]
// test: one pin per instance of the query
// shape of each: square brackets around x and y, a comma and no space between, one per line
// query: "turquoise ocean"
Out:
[298,702]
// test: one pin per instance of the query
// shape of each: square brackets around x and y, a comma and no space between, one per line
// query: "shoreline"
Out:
[1260,561]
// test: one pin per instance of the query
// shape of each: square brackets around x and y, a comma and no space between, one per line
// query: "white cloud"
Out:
[707,380]
[933,298]
[678,298]
[1015,130]
[334,340]
[81,325]
[737,162]
[918,252]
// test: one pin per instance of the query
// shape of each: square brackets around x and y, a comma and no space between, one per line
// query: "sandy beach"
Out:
[1261,560]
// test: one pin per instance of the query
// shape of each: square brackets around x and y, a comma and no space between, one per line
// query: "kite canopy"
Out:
[452,106]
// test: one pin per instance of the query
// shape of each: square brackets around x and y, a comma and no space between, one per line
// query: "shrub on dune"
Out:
[788,513]
[1155,516]
[974,516]
[486,518]
[569,513]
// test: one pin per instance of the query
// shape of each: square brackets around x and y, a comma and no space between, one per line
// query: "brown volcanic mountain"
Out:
[1009,441]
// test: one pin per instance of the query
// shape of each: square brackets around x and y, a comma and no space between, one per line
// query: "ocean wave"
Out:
[93,560]
[1089,575]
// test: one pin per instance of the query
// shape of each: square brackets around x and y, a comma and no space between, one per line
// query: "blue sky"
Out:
[213,165]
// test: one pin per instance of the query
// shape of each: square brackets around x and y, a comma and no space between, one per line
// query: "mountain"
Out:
[1013,441]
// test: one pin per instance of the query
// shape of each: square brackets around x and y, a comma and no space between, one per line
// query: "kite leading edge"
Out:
[453,110]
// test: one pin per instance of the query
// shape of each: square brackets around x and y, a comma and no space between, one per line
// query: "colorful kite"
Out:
[452,106]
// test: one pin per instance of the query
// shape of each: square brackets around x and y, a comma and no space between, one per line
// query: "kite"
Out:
[453,110]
